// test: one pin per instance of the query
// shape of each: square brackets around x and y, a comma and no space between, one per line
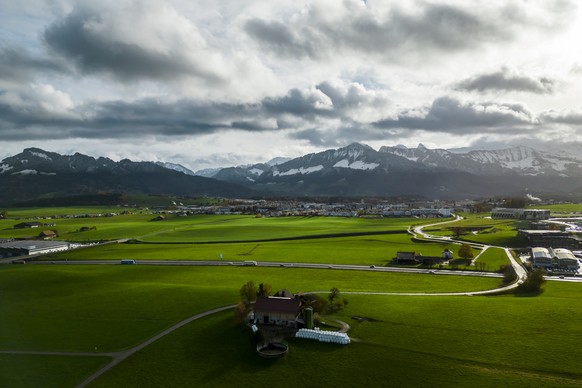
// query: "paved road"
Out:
[518,267]
[371,268]
[118,357]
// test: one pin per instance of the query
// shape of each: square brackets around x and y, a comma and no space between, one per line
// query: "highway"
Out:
[417,232]
[350,267]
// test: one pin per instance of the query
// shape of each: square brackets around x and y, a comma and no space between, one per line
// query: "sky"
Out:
[222,83]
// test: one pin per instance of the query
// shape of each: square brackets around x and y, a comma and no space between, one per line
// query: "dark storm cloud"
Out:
[434,28]
[176,119]
[504,81]
[18,65]
[303,115]
[345,134]
[450,115]
[95,51]
[569,118]
[32,122]
[119,119]
[296,103]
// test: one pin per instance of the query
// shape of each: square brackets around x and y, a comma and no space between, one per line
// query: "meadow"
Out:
[413,341]
[107,308]
[559,209]
[483,230]
[202,228]
[376,250]
[333,240]
[438,341]
[493,259]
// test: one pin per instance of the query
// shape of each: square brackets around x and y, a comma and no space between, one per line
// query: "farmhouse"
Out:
[31,247]
[406,258]
[280,311]
[47,234]
[414,258]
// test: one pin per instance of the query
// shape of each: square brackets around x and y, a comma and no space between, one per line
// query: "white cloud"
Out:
[285,77]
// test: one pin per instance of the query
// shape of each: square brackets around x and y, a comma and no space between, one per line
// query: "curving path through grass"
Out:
[520,271]
[118,357]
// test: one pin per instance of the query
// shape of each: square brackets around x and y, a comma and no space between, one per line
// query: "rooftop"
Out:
[277,304]
[37,244]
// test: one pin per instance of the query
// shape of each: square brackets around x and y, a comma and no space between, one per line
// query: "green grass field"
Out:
[416,341]
[495,340]
[564,208]
[377,250]
[109,308]
[436,341]
[75,308]
[202,228]
[484,230]
[187,238]
[493,258]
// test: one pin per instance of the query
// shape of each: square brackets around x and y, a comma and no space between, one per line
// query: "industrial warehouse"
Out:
[554,259]
[31,247]
[520,214]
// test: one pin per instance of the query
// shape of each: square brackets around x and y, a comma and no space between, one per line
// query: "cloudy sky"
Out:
[219,83]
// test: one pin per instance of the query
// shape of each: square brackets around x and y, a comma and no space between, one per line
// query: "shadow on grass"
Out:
[528,294]
[240,355]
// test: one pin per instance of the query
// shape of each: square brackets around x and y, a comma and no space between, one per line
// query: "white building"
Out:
[541,258]
[32,247]
[520,214]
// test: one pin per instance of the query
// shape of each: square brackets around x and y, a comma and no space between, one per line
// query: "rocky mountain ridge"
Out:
[35,173]
[356,170]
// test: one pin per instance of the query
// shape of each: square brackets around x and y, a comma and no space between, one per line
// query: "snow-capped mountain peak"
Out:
[176,167]
[514,160]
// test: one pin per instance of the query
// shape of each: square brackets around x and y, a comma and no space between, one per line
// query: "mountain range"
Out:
[37,174]
[356,170]
[359,170]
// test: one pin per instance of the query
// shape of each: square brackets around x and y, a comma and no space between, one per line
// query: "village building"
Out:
[47,234]
[279,311]
[558,258]
[31,247]
[24,225]
[552,238]
[414,258]
[520,214]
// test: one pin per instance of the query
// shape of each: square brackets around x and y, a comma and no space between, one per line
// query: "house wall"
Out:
[280,319]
